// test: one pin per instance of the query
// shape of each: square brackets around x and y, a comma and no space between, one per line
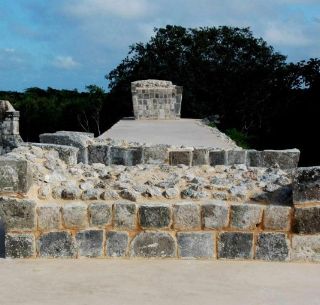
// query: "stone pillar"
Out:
[156,100]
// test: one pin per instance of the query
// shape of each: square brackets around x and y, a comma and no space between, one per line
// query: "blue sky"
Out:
[73,43]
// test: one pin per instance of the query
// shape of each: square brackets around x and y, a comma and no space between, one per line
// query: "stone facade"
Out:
[156,100]
[9,127]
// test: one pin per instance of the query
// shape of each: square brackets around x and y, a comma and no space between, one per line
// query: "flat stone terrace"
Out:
[186,132]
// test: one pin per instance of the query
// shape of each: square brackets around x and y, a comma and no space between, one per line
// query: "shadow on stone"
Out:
[2,240]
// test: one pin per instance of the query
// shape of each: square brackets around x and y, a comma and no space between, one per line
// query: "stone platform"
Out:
[186,132]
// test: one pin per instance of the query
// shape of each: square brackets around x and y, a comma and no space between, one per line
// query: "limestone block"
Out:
[254,158]
[68,154]
[306,185]
[286,159]
[245,216]
[272,247]
[196,244]
[235,245]
[18,214]
[90,243]
[70,193]
[124,216]
[154,215]
[306,248]
[57,244]
[117,243]
[19,245]
[186,216]
[277,217]
[91,194]
[153,244]
[99,153]
[215,214]
[100,214]
[217,157]
[236,157]
[75,215]
[49,216]
[180,157]
[125,155]
[15,175]
[156,154]
[307,220]
[200,156]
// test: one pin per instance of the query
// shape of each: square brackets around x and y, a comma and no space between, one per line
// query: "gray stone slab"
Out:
[155,215]
[245,216]
[57,244]
[200,156]
[19,245]
[196,244]
[99,153]
[125,215]
[75,215]
[18,214]
[117,243]
[305,247]
[254,158]
[277,217]
[100,214]
[186,216]
[236,157]
[15,175]
[153,244]
[49,216]
[90,243]
[215,214]
[307,220]
[181,156]
[217,157]
[286,159]
[235,245]
[272,247]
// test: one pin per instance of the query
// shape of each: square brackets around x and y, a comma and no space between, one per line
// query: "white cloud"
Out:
[121,8]
[65,62]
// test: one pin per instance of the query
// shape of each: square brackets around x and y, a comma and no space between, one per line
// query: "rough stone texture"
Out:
[215,214]
[245,216]
[236,157]
[70,193]
[272,247]
[200,156]
[15,175]
[305,248]
[156,99]
[235,245]
[254,158]
[100,214]
[307,220]
[75,215]
[195,245]
[125,215]
[306,185]
[277,218]
[155,215]
[67,153]
[186,216]
[180,157]
[117,244]
[286,159]
[18,214]
[126,155]
[156,154]
[49,216]
[57,244]
[20,245]
[217,157]
[153,244]
[99,153]
[90,243]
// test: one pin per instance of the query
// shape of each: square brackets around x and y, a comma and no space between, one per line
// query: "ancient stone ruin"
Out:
[156,99]
[73,195]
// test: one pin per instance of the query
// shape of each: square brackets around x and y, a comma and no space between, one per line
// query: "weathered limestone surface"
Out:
[306,247]
[272,247]
[15,175]
[245,216]
[117,243]
[186,216]
[49,217]
[196,244]
[154,216]
[90,243]
[307,220]
[277,218]
[125,215]
[20,245]
[183,156]
[153,244]
[75,215]
[215,215]
[100,214]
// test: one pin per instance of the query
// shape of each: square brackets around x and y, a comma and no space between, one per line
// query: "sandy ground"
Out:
[113,282]
[187,132]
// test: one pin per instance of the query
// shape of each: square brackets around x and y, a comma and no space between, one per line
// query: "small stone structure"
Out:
[156,100]
[9,127]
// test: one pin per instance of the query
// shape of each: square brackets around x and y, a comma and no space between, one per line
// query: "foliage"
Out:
[239,137]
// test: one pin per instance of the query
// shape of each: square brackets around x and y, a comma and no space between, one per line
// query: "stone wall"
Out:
[9,127]
[156,99]
[99,217]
